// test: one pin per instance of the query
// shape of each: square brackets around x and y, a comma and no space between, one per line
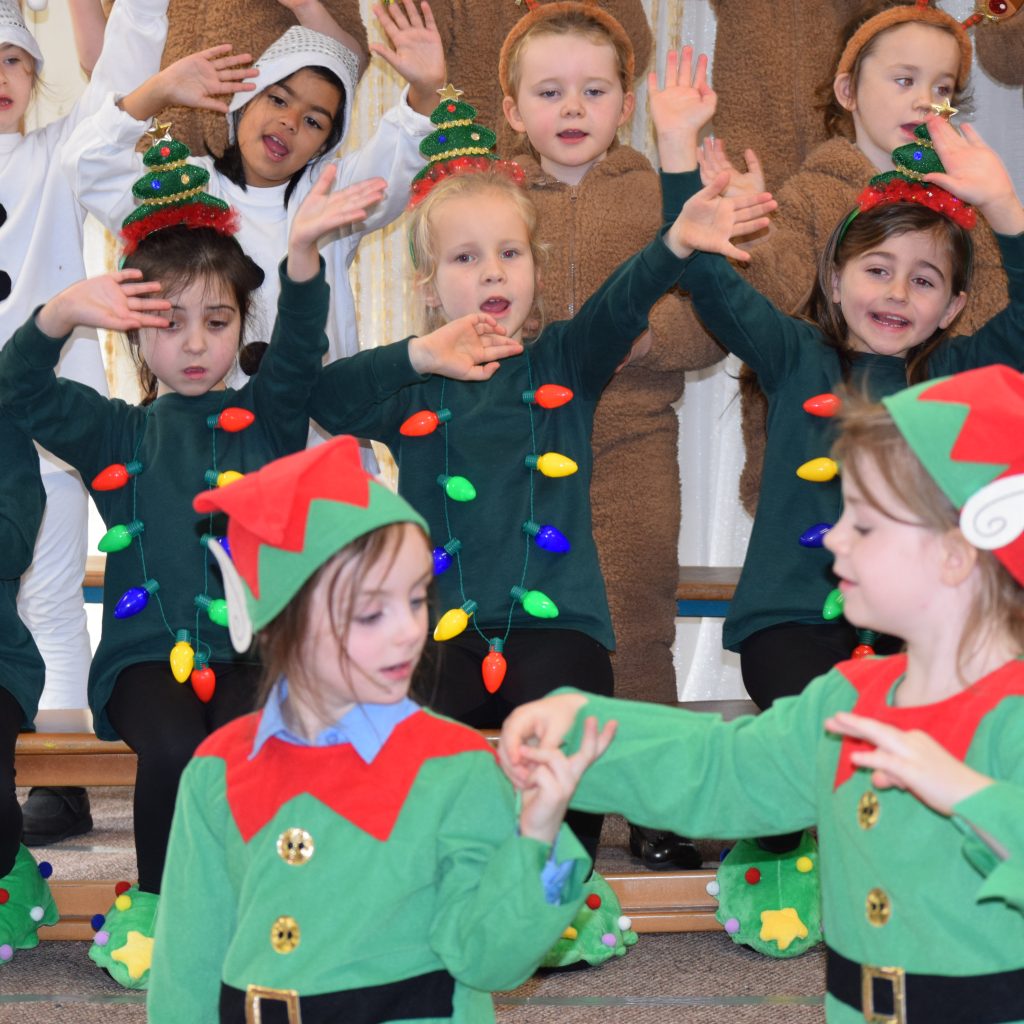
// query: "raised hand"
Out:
[552,778]
[713,160]
[710,219]
[116,302]
[909,760]
[415,53]
[539,724]
[681,109]
[465,349]
[975,174]
[325,210]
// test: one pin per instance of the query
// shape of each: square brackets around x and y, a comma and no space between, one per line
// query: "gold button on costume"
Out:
[879,907]
[284,934]
[295,846]
[868,810]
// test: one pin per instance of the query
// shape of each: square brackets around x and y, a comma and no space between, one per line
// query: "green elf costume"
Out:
[923,913]
[375,874]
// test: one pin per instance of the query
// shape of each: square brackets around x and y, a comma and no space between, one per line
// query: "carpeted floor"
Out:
[700,978]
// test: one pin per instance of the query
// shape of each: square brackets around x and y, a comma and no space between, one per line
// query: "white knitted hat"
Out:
[301,48]
[14,30]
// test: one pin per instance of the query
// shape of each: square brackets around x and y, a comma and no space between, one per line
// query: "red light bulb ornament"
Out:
[454,621]
[547,537]
[182,656]
[215,607]
[865,648]
[824,405]
[117,538]
[548,396]
[232,419]
[551,464]
[134,599]
[458,488]
[115,476]
[424,422]
[204,681]
[494,666]
[536,603]
[443,555]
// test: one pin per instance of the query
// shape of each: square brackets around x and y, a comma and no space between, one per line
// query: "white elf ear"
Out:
[994,516]
[239,623]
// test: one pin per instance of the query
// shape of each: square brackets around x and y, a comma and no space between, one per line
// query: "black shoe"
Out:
[53,813]
[662,850]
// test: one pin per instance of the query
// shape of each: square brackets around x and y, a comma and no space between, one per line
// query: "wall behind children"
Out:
[715,528]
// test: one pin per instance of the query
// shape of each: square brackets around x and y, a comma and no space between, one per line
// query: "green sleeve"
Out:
[22,499]
[694,774]
[196,917]
[282,386]
[993,823]
[69,419]
[352,396]
[1001,340]
[494,924]
[675,190]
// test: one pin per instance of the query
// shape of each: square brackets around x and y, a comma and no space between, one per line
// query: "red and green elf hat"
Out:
[968,432]
[173,192]
[289,518]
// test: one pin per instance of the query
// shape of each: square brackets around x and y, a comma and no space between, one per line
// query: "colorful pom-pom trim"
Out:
[435,172]
[899,190]
[223,220]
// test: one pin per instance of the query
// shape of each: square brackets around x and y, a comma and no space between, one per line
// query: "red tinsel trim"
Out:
[193,215]
[464,165]
[938,199]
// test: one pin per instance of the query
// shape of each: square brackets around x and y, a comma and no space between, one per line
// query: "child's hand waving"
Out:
[710,219]
[552,778]
[713,159]
[681,109]
[416,52]
[115,302]
[909,760]
[324,210]
[975,174]
[464,349]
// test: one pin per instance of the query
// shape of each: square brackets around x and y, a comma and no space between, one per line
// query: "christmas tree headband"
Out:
[458,146]
[173,192]
[288,519]
[968,432]
[296,49]
[538,13]
[921,13]
[14,30]
[906,184]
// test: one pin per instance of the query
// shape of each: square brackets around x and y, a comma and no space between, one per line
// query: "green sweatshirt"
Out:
[176,447]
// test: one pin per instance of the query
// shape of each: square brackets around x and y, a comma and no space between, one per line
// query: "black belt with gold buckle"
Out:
[890,995]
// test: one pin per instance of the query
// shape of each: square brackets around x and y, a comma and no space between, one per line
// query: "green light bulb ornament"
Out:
[536,603]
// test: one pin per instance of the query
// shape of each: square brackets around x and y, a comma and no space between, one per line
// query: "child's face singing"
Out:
[484,261]
[386,632]
[889,565]
[898,294]
[286,126]
[570,102]
[17,75]
[911,67]
[195,352]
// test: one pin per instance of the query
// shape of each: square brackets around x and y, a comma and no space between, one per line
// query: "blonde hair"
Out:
[423,247]
[870,437]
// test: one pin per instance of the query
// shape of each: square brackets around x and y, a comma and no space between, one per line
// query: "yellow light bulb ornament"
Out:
[215,479]
[818,471]
[454,621]
[552,464]
[183,656]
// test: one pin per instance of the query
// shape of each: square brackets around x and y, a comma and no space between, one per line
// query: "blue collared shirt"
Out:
[368,727]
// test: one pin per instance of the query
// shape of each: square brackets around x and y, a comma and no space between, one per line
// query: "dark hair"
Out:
[177,257]
[866,231]
[229,163]
[280,642]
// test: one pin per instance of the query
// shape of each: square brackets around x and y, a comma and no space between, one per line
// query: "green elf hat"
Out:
[289,518]
[968,432]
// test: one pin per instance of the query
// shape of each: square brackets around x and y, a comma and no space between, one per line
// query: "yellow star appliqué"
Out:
[945,109]
[136,954]
[783,926]
[449,92]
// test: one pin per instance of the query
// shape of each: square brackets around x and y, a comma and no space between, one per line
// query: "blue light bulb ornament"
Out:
[547,537]
[134,599]
[208,538]
[443,555]
[814,536]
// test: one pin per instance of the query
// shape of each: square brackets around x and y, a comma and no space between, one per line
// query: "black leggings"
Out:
[163,722]
[780,661]
[11,717]
[539,661]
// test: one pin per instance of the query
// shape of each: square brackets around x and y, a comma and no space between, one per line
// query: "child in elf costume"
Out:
[343,789]
[27,902]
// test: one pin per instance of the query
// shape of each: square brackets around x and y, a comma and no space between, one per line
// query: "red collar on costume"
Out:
[370,796]
[951,722]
